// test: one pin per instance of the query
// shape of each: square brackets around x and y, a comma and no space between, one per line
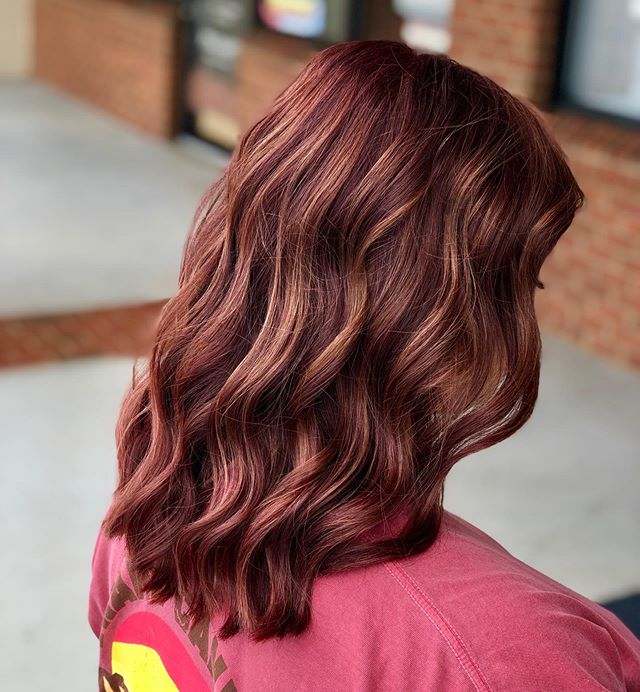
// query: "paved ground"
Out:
[92,213]
[57,472]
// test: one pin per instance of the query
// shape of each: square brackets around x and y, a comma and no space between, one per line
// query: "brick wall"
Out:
[592,278]
[122,56]
[512,41]
[124,331]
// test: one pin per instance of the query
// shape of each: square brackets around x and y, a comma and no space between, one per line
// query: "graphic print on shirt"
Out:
[151,648]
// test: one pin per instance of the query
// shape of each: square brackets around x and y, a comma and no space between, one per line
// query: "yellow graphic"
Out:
[141,667]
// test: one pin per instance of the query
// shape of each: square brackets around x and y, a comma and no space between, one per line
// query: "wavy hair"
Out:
[355,314]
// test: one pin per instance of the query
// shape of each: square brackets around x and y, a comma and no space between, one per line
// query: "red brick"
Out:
[126,331]
[122,56]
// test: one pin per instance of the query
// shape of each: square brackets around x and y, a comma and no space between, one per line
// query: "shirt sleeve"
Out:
[567,647]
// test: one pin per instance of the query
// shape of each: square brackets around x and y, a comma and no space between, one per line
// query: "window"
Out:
[600,63]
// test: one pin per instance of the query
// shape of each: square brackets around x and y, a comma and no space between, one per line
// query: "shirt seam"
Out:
[443,627]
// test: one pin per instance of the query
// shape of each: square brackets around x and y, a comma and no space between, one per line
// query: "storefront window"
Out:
[601,57]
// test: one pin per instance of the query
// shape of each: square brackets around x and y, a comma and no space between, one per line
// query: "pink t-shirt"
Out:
[463,615]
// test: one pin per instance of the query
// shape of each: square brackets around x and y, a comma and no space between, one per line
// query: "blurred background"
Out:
[115,115]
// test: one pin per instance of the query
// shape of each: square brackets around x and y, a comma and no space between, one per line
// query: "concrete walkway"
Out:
[57,449]
[92,213]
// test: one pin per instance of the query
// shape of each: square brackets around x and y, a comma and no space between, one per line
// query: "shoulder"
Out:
[106,564]
[510,626]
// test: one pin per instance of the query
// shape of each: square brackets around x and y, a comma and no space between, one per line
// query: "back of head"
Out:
[355,314]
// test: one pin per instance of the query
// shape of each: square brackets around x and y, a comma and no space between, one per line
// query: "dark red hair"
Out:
[355,314]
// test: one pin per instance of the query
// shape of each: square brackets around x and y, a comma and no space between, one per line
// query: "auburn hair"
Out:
[355,314]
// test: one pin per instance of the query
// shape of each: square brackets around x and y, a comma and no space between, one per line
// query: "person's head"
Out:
[355,314]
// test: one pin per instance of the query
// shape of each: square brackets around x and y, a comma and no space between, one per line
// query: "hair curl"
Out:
[355,314]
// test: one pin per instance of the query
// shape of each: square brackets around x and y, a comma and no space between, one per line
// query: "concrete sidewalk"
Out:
[92,213]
